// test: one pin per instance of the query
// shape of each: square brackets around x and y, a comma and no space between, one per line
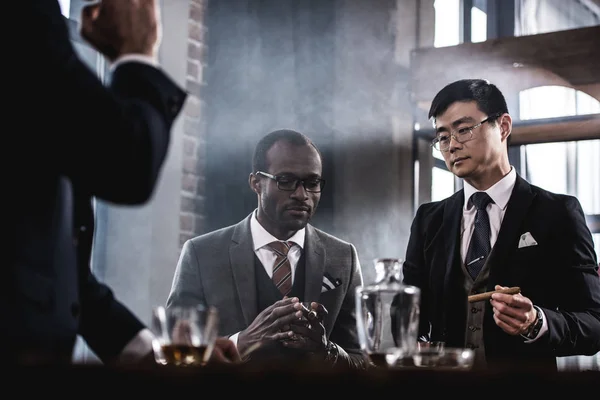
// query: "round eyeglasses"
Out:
[462,135]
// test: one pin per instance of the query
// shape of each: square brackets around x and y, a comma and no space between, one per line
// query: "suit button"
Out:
[75,309]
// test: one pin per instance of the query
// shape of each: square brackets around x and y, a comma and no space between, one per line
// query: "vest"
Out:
[475,312]
[267,294]
[266,291]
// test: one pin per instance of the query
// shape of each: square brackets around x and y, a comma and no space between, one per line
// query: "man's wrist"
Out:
[534,328]
[331,352]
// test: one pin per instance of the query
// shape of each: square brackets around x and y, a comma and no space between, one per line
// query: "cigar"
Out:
[488,295]
[309,311]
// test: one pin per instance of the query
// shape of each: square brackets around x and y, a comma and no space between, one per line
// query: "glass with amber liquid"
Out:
[184,336]
[387,314]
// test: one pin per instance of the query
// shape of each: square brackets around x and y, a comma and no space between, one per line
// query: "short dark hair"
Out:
[488,97]
[259,159]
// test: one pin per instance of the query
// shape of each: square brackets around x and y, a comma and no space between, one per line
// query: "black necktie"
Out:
[479,247]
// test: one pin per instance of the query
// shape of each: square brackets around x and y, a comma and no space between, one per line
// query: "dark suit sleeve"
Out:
[344,333]
[106,324]
[574,327]
[111,140]
[415,272]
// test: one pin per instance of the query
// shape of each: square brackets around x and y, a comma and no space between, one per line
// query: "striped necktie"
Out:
[282,269]
[479,247]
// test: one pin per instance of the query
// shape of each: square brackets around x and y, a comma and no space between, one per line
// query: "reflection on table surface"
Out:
[243,378]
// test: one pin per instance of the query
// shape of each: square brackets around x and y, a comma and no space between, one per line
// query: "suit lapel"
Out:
[314,265]
[506,244]
[451,224]
[241,257]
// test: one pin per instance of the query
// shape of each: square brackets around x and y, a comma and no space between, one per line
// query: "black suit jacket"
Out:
[73,138]
[559,275]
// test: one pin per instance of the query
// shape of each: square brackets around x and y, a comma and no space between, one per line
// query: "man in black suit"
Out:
[77,139]
[499,231]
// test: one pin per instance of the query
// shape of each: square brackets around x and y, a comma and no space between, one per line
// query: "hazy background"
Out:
[336,70]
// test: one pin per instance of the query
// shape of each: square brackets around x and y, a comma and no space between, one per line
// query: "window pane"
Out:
[588,175]
[65,5]
[547,102]
[547,166]
[543,16]
[478,25]
[555,101]
[586,104]
[442,184]
[447,23]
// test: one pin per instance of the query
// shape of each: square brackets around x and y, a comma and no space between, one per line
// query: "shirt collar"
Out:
[500,192]
[261,238]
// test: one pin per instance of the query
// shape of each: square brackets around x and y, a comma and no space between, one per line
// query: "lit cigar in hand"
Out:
[314,314]
[488,295]
[308,311]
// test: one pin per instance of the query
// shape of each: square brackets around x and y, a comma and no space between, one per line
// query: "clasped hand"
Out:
[309,332]
[270,325]
[288,322]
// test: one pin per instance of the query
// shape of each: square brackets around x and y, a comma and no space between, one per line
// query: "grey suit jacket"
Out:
[217,269]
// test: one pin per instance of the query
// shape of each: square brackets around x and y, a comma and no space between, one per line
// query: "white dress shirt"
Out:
[260,239]
[134,57]
[500,193]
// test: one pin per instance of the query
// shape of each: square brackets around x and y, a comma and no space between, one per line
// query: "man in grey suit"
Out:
[258,287]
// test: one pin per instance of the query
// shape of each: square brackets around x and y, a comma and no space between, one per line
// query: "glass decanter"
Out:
[387,314]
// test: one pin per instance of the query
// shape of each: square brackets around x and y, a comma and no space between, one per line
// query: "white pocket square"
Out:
[527,240]
[329,283]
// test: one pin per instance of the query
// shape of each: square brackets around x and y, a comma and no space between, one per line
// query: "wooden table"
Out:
[303,380]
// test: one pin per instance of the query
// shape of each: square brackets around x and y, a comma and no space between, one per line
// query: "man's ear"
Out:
[254,183]
[505,126]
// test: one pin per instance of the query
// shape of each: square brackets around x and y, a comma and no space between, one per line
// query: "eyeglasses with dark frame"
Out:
[290,183]
[462,135]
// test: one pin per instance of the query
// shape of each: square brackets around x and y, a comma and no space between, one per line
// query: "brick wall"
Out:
[191,214]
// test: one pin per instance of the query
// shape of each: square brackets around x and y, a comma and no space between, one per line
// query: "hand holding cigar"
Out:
[488,295]
[311,313]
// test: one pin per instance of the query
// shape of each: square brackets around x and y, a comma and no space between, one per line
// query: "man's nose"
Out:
[300,191]
[454,144]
